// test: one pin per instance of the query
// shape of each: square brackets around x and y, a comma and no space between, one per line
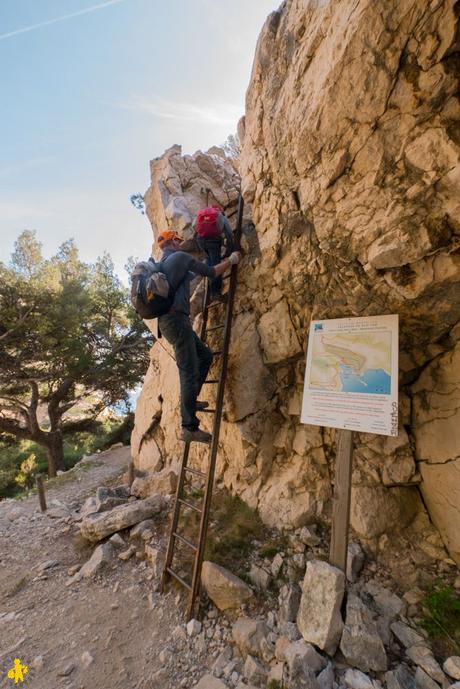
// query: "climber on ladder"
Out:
[193,357]
[212,229]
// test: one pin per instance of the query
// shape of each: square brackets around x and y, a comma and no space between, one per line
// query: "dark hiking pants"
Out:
[193,360]
[213,249]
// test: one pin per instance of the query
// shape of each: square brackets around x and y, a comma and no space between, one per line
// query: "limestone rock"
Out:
[138,530]
[437,414]
[289,601]
[375,510]
[406,635]
[251,637]
[278,336]
[424,681]
[400,678]
[319,618]
[255,672]
[155,558]
[101,556]
[95,527]
[193,627]
[107,498]
[301,657]
[355,561]
[452,667]
[224,588]
[355,679]
[210,682]
[259,577]
[361,644]
[88,507]
[351,167]
[277,564]
[389,604]
[423,657]
[325,678]
[163,482]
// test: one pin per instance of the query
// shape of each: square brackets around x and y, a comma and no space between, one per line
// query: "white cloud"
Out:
[217,114]
[39,25]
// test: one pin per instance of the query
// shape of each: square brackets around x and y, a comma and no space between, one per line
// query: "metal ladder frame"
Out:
[194,588]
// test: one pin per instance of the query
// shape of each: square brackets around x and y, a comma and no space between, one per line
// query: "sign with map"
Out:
[351,380]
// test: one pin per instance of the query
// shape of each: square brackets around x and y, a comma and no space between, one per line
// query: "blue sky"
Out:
[89,99]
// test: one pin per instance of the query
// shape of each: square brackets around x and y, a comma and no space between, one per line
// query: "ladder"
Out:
[193,586]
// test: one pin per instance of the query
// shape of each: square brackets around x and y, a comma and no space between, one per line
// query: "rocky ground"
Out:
[109,630]
[80,602]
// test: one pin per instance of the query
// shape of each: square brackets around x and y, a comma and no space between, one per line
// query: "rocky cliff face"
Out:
[351,165]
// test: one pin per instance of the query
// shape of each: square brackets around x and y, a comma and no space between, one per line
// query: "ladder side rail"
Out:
[175,518]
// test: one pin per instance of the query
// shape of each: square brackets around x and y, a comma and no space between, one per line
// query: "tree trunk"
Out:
[55,451]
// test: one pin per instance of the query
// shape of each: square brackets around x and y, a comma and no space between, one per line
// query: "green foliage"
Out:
[441,617]
[76,445]
[28,470]
[234,525]
[274,684]
[70,343]
[232,146]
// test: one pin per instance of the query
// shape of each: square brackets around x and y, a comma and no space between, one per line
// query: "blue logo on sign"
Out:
[318,326]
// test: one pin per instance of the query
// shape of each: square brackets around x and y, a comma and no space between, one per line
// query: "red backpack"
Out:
[206,223]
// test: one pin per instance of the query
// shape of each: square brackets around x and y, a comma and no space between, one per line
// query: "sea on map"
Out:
[351,362]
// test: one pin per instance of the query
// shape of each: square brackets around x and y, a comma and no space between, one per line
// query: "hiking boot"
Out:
[201,405]
[198,436]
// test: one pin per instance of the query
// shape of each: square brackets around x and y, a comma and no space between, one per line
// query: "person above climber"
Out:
[193,357]
[212,229]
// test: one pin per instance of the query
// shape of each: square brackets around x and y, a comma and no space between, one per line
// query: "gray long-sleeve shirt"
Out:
[179,266]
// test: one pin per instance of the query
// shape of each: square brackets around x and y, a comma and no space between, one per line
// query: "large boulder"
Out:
[437,437]
[319,619]
[225,589]
[251,636]
[96,526]
[350,163]
[361,644]
[162,482]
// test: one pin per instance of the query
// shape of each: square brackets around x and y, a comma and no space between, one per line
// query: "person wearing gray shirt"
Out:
[193,357]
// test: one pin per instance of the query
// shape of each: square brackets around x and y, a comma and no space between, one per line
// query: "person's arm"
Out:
[233,259]
[200,268]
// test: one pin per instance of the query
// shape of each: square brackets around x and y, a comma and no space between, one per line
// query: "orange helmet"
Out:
[167,236]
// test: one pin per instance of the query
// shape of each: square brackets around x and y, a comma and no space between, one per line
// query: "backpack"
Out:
[206,223]
[151,293]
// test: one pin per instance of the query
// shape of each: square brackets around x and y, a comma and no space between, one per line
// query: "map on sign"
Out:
[351,362]
[351,379]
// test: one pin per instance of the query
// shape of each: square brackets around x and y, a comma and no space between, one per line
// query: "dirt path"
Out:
[108,632]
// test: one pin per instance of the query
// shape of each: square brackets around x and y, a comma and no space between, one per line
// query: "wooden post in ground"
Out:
[342,500]
[130,472]
[41,492]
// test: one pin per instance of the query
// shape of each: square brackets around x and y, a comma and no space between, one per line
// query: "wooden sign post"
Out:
[351,383]
[41,492]
[341,500]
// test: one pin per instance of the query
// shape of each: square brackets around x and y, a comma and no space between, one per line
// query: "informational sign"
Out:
[351,379]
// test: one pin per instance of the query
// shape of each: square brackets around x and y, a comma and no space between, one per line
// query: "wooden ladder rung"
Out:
[178,577]
[184,540]
[210,382]
[189,504]
[217,353]
[216,303]
[205,411]
[215,327]
[195,472]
